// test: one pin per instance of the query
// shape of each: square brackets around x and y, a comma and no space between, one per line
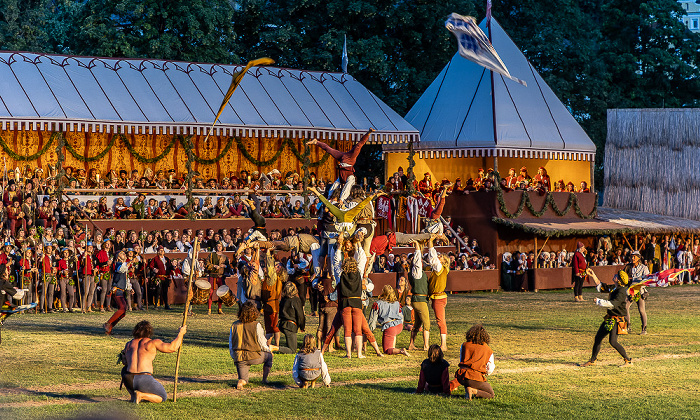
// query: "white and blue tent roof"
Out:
[57,92]
[470,111]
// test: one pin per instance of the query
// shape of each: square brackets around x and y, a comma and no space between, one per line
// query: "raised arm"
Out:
[433,257]
[173,345]
[417,265]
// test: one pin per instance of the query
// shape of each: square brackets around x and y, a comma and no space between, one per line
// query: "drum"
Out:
[225,295]
[200,294]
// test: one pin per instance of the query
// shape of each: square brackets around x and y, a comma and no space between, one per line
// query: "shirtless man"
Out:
[138,355]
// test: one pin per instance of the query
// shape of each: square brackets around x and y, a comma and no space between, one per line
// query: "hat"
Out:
[361,230]
[90,243]
[160,247]
[637,253]
[579,244]
[623,276]
[523,169]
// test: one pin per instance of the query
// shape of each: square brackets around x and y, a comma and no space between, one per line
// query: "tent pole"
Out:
[592,183]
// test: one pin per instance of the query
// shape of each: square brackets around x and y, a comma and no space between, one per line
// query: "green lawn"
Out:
[61,365]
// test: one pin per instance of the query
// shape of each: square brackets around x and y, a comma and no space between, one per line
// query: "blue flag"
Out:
[475,46]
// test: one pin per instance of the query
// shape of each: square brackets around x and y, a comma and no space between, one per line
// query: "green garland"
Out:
[35,156]
[212,161]
[548,202]
[94,158]
[246,154]
[186,145]
[142,159]
[300,157]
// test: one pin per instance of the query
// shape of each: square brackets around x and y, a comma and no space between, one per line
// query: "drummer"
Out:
[215,268]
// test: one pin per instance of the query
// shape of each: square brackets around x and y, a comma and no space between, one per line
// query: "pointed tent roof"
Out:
[466,104]
[50,92]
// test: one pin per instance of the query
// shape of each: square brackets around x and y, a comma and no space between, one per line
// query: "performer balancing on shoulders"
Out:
[138,356]
[616,304]
[346,164]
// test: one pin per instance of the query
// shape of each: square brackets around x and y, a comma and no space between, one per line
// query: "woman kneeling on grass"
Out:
[248,345]
[434,373]
[475,363]
[309,365]
[386,312]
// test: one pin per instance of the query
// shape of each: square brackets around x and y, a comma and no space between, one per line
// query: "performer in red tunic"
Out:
[512,179]
[346,164]
[104,267]
[543,178]
[524,178]
[161,268]
[578,272]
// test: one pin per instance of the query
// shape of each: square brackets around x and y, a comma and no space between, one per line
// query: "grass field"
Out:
[63,366]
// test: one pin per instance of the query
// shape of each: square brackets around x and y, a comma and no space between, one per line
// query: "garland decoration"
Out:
[35,156]
[60,172]
[212,161]
[94,158]
[246,154]
[411,165]
[548,202]
[143,159]
[187,146]
[299,156]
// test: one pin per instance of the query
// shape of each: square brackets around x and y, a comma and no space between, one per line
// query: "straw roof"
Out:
[652,161]
[608,221]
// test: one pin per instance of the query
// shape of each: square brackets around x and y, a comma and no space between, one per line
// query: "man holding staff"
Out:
[138,356]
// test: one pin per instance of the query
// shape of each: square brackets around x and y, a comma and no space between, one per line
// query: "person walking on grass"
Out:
[309,365]
[614,321]
[138,356]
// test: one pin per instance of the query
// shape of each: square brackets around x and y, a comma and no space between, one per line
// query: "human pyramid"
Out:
[341,257]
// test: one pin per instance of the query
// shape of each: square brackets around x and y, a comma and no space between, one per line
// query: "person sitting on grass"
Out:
[434,373]
[138,356]
[309,365]
[247,344]
[386,312]
[475,363]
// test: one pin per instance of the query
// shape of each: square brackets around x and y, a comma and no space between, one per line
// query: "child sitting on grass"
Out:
[434,373]
[309,365]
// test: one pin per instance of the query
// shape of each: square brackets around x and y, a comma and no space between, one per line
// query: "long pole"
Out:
[80,293]
[195,252]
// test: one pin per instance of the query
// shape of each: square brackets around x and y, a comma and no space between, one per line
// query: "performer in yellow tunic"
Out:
[437,282]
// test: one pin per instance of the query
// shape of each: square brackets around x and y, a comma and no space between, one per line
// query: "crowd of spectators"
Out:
[483,181]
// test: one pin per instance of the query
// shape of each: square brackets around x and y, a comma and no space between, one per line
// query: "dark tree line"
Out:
[595,54]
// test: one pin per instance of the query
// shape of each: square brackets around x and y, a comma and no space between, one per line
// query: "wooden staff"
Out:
[143,268]
[195,252]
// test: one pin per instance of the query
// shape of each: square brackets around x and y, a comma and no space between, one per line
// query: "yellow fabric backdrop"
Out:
[26,143]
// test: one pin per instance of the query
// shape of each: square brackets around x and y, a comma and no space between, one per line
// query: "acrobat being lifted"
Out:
[346,164]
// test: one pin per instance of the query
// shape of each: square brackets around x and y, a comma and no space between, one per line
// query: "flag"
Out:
[660,279]
[488,11]
[345,55]
[235,81]
[475,46]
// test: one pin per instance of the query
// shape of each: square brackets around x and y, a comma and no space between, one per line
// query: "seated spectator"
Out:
[434,376]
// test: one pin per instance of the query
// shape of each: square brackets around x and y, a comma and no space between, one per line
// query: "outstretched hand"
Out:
[311,142]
